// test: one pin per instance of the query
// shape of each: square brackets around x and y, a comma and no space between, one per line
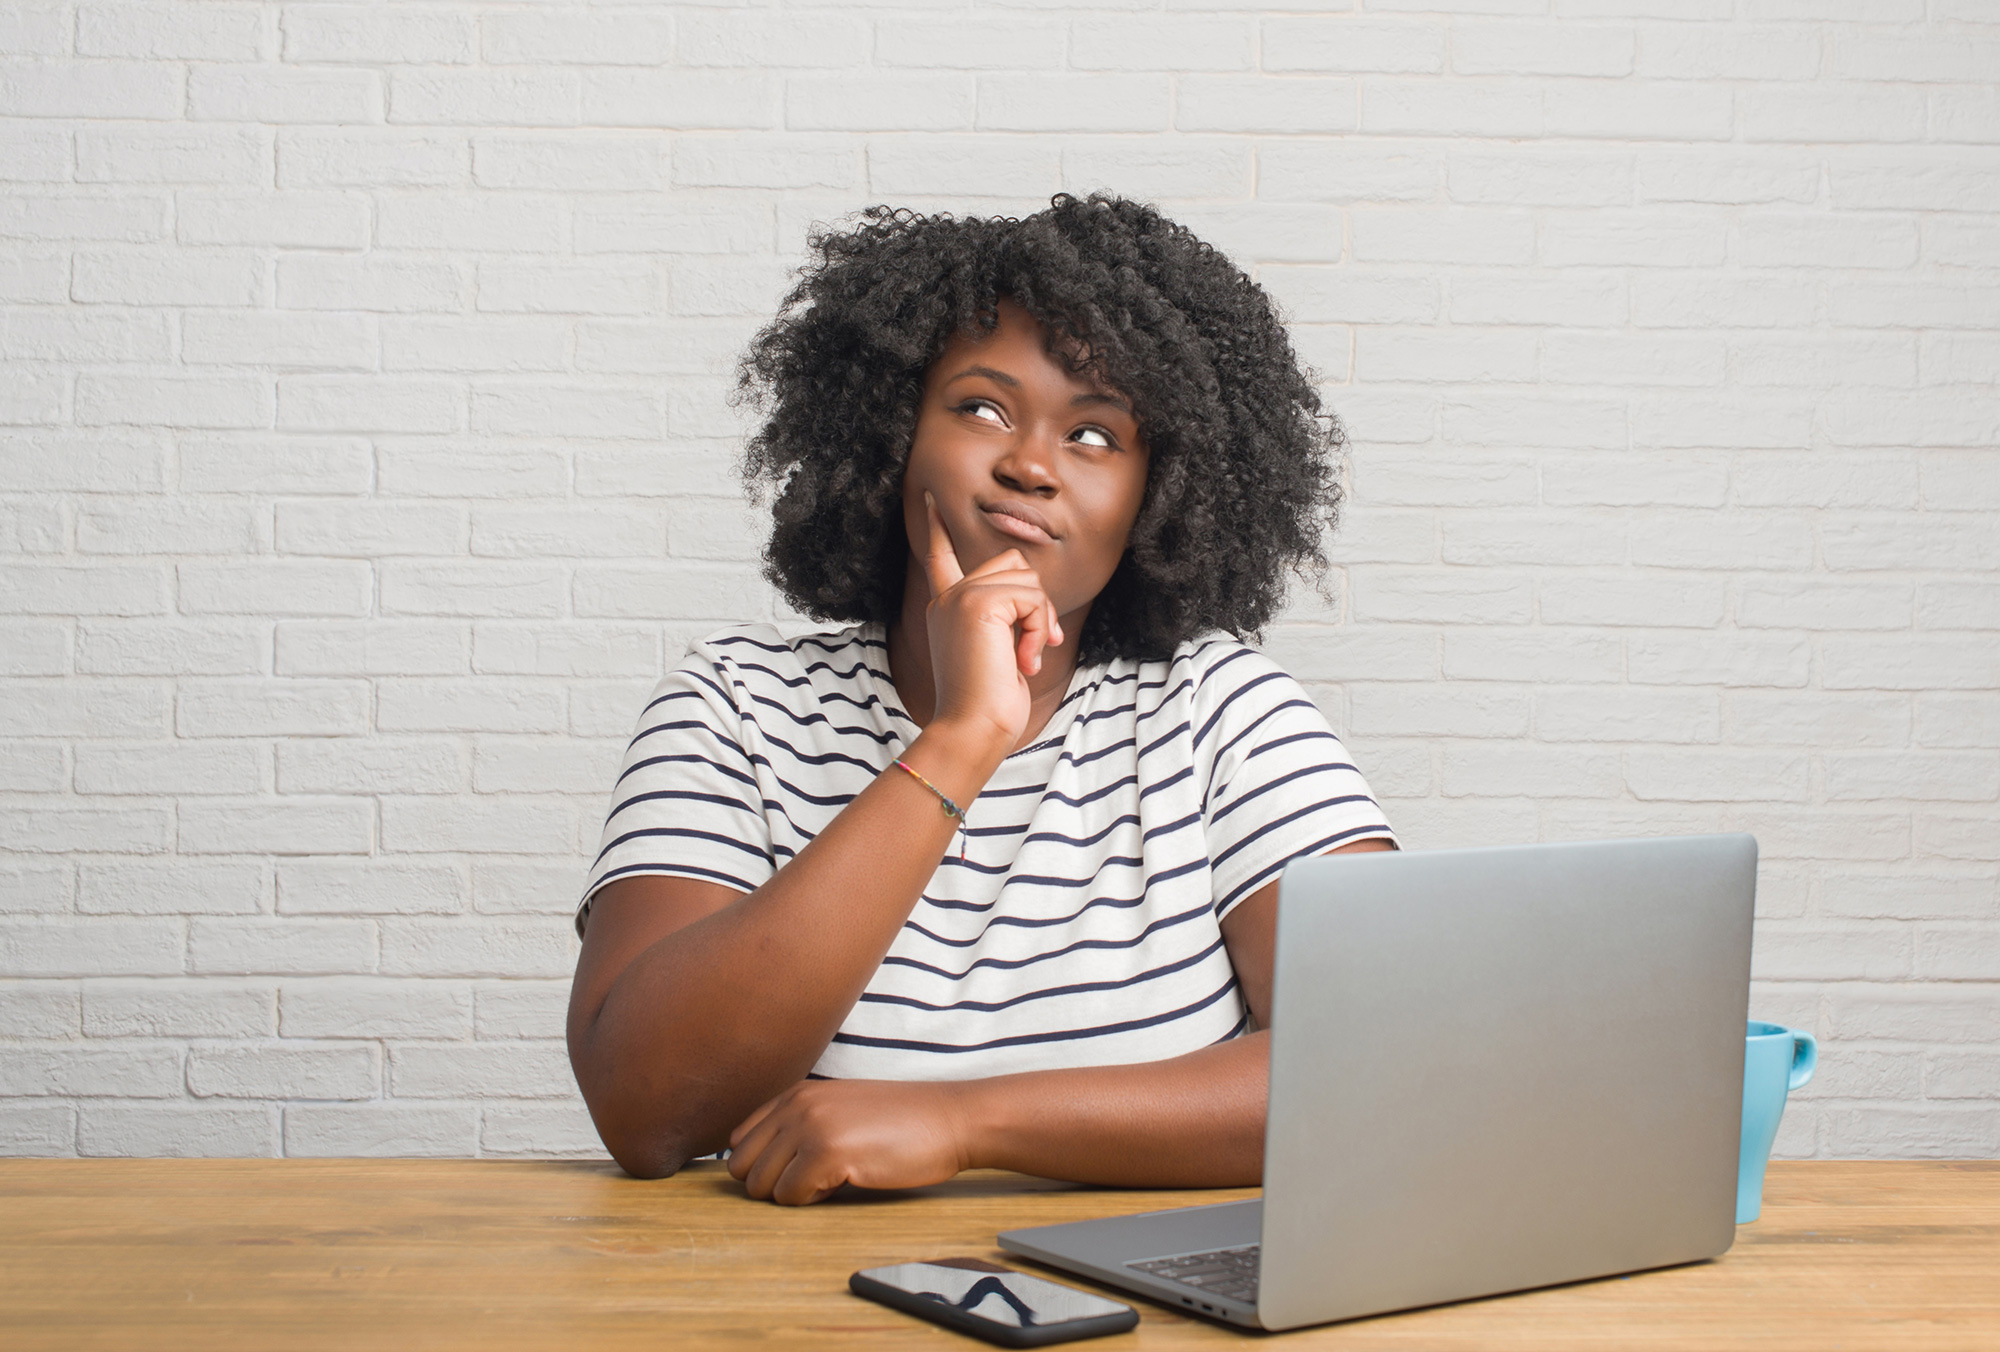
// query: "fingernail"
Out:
[928,500]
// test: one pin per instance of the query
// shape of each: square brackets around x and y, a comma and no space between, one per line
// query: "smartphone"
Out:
[992,1302]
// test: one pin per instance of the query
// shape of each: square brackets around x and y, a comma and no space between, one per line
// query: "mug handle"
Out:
[1805,1059]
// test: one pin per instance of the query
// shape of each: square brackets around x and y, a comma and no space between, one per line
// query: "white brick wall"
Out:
[364,453]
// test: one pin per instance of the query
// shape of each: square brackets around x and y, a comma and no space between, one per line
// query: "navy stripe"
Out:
[1305,772]
[685,795]
[1032,922]
[1080,946]
[1079,988]
[1030,1039]
[1264,875]
[682,833]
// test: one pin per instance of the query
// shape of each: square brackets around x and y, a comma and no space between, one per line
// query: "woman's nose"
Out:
[1029,466]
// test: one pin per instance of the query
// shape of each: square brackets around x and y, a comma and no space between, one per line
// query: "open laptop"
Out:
[1491,1069]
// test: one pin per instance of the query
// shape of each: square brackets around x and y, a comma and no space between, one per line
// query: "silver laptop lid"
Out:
[1551,1043]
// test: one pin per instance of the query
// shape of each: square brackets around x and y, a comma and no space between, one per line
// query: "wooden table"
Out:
[405,1254]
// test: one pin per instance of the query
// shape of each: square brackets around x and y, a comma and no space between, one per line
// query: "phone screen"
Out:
[1013,1299]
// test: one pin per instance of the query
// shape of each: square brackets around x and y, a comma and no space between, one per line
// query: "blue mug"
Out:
[1776,1060]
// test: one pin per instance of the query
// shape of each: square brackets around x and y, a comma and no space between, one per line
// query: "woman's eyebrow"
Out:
[1100,397]
[998,377]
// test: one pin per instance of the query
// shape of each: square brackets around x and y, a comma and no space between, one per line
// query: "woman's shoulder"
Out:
[791,652]
[1218,666]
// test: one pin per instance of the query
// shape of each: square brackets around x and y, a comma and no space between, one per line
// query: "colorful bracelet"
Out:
[951,809]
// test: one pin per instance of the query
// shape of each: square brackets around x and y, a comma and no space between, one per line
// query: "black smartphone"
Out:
[991,1302]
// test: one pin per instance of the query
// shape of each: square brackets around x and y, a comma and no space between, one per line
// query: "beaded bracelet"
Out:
[951,809]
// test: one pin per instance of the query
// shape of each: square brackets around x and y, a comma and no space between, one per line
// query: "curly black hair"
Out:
[1241,480]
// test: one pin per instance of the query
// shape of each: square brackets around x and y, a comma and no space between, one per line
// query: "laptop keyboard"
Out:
[1229,1273]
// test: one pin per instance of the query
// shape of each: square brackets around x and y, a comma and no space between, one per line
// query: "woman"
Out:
[988,878]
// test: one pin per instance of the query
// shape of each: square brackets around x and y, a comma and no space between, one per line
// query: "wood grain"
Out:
[225,1254]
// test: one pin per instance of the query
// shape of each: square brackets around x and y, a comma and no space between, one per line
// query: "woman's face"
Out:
[1020,452]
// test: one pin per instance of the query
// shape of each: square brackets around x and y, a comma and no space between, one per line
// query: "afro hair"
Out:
[1241,483]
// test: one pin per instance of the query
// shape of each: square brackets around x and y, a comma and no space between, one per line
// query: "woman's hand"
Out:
[819,1134]
[987,631]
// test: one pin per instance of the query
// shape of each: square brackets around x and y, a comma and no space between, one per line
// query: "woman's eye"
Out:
[1093,436]
[979,408]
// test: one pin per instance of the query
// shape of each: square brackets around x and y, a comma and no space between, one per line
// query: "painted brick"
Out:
[977,166]
[205,33]
[795,39]
[71,707]
[62,946]
[629,38]
[371,35]
[169,768]
[360,1007]
[276,464]
[527,886]
[179,1008]
[1731,659]
[271,94]
[281,947]
[1810,718]
[173,154]
[375,765]
[678,98]
[514,825]
[1636,714]
[515,1069]
[1532,655]
[372,159]
[380,1129]
[28,1069]
[539,1130]
[370,648]
[1933,776]
[176,1130]
[280,586]
[1632,599]
[1905,897]
[293,826]
[364,529]
[289,220]
[482,344]
[498,590]
[436,947]
[38,1128]
[1090,103]
[48,1010]
[559,163]
[508,98]
[133,90]
[271,707]
[521,1009]
[283,1070]
[33,768]
[353,887]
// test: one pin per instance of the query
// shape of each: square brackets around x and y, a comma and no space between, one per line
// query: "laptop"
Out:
[1491,1069]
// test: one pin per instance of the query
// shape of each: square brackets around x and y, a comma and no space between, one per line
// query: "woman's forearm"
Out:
[1193,1121]
[712,1019]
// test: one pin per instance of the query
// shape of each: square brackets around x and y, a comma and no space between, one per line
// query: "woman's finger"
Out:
[749,1124]
[806,1180]
[940,559]
[1038,631]
[771,1163]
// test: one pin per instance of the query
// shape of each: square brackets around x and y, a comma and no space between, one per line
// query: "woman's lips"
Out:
[1020,521]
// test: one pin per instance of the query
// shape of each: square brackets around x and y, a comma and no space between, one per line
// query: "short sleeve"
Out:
[1280,785]
[686,803]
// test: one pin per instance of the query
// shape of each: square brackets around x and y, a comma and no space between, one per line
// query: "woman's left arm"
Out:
[1194,1121]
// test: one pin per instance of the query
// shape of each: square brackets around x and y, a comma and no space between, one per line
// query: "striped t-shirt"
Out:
[1082,927]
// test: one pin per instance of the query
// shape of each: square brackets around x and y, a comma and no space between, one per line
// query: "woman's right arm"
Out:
[694,1003]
